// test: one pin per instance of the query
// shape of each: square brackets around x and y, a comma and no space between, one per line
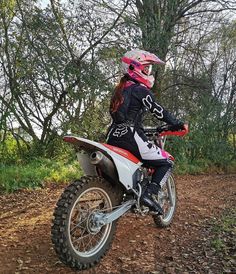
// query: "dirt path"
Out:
[139,246]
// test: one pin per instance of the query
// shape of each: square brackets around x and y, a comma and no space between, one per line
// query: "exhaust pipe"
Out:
[98,159]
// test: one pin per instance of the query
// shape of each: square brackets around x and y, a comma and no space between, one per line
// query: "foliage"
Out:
[12,151]
[95,122]
[45,82]
[199,154]
[37,173]
[59,65]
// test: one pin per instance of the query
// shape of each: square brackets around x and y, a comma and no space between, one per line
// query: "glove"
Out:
[176,127]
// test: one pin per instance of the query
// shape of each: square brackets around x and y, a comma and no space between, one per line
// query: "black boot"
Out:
[149,201]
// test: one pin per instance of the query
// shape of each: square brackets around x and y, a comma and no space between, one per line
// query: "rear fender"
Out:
[125,168]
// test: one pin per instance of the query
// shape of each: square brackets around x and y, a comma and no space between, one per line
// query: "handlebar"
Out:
[166,131]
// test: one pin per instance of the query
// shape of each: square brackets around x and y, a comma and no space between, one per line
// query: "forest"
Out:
[60,62]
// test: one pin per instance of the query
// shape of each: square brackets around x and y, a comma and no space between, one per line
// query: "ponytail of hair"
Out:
[117,98]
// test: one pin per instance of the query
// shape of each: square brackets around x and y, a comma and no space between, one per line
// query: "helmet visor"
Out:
[147,70]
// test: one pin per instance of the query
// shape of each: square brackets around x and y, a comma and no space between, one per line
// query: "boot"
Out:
[149,201]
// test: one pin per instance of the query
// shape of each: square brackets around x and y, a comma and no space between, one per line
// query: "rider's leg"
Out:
[159,177]
[150,155]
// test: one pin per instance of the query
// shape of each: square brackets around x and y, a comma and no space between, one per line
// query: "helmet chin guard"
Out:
[138,65]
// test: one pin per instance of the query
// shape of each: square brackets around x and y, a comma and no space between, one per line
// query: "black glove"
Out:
[176,127]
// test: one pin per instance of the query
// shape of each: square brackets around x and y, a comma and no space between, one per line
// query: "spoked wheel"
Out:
[167,199]
[79,239]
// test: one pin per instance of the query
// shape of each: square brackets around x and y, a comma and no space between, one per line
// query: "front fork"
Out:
[168,183]
[169,191]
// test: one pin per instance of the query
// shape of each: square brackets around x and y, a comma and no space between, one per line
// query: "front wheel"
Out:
[78,241]
[168,200]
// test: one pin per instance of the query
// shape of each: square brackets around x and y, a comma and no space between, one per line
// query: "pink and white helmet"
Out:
[138,65]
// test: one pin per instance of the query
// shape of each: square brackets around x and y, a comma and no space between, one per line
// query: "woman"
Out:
[131,99]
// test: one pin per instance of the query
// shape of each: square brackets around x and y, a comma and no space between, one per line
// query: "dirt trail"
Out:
[139,246]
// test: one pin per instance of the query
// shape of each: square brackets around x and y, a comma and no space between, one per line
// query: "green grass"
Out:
[218,244]
[36,173]
[224,231]
[204,167]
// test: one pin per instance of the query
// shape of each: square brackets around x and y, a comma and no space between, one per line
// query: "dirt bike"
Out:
[86,214]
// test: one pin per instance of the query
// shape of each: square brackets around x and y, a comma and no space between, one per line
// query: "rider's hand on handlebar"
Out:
[175,127]
[180,126]
[165,128]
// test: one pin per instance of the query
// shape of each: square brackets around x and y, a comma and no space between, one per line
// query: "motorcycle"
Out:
[86,214]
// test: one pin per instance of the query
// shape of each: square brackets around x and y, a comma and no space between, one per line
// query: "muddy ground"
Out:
[139,247]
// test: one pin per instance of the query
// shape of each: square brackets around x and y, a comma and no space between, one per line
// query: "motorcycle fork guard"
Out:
[169,192]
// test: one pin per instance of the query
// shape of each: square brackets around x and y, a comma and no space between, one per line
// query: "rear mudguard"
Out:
[126,169]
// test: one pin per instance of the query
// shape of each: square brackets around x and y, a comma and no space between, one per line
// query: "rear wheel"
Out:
[79,242]
[168,200]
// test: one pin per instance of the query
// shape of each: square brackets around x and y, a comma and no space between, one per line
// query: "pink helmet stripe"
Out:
[130,61]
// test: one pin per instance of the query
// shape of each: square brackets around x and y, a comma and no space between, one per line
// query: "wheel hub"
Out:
[93,224]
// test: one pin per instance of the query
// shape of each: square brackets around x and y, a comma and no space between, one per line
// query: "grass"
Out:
[221,243]
[204,167]
[36,173]
[224,231]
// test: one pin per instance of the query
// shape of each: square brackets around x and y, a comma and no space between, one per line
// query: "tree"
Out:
[160,20]
[51,69]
